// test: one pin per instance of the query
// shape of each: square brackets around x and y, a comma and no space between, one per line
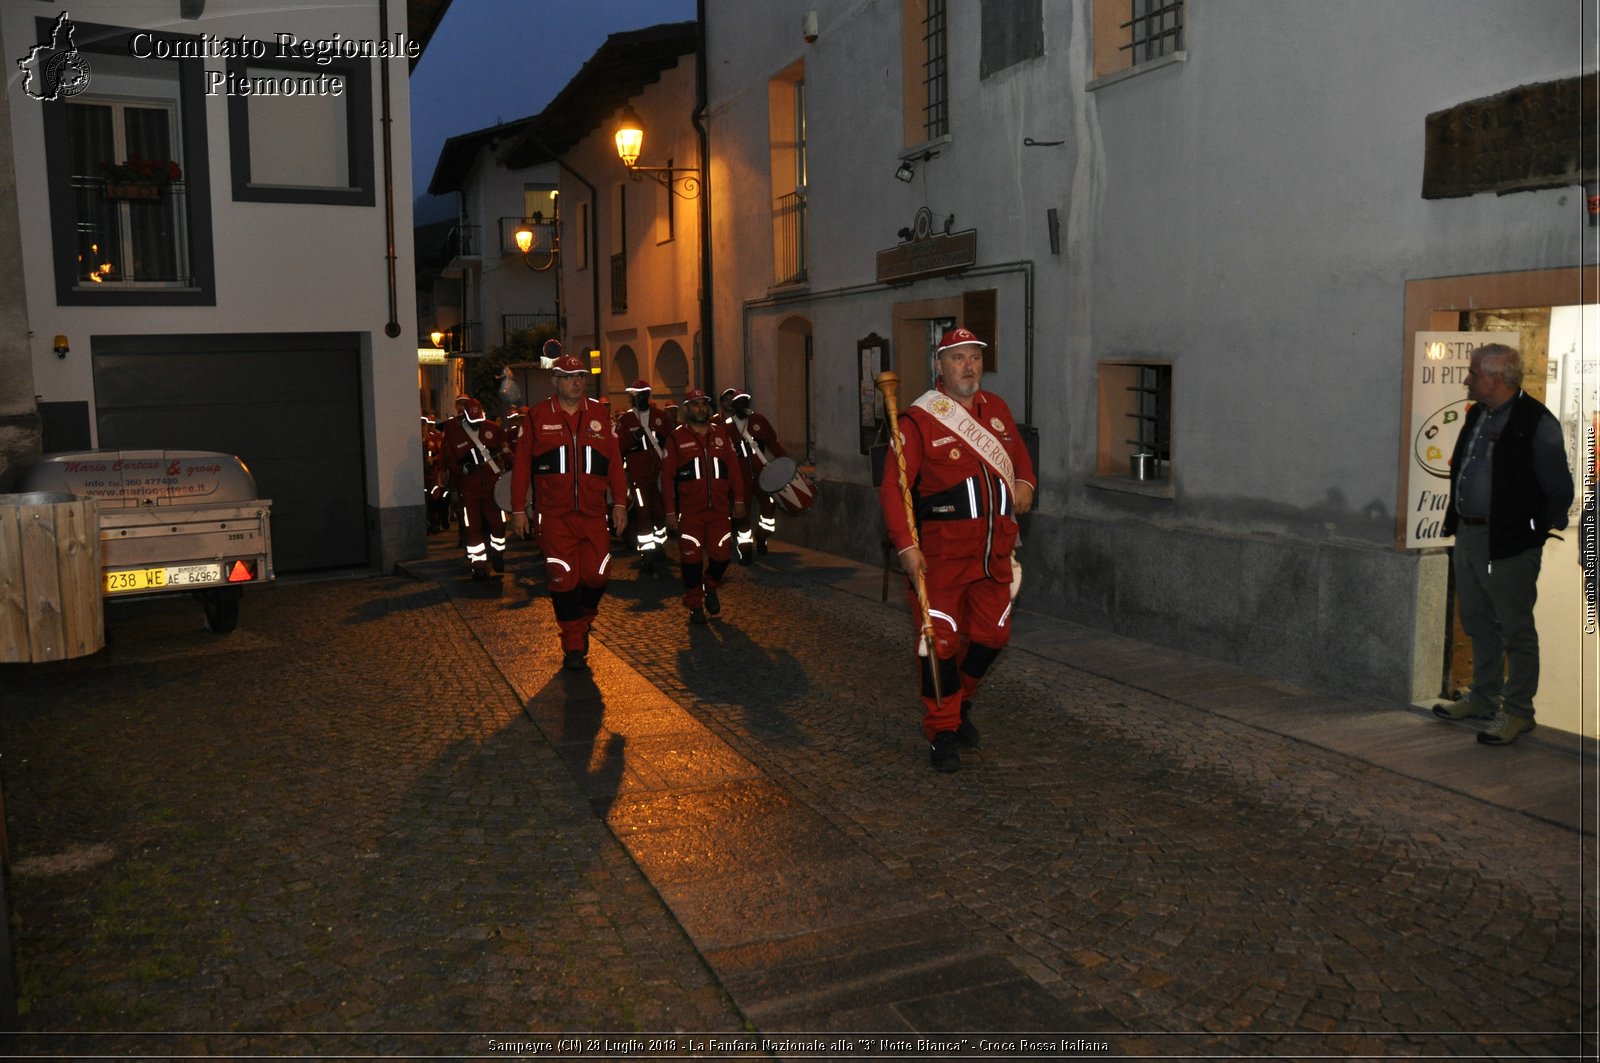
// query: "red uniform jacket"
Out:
[762,436]
[462,461]
[964,512]
[638,452]
[571,460]
[700,473]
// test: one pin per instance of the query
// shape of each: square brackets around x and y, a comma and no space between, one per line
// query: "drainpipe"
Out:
[392,329]
[707,348]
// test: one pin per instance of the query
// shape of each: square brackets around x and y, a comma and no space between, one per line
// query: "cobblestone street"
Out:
[379,806]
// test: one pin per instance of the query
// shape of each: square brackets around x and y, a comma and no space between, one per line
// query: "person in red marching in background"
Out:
[567,455]
[642,431]
[474,449]
[703,487]
[757,443]
[970,478]
[436,494]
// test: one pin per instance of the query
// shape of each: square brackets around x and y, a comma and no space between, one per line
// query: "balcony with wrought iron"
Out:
[789,239]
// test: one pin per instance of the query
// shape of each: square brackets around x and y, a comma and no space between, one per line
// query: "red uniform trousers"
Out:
[971,625]
[704,534]
[483,525]
[577,552]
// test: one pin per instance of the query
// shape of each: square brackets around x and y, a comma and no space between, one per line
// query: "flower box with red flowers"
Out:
[139,178]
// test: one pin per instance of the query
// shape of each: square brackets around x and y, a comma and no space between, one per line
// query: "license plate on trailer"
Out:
[145,579]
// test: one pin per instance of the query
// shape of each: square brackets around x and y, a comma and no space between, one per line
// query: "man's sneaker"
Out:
[1467,708]
[697,616]
[497,560]
[943,751]
[575,661]
[713,605]
[1505,729]
[480,570]
[761,547]
[967,732]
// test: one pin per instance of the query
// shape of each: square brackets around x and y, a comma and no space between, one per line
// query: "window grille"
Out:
[936,121]
[1155,30]
[1152,411]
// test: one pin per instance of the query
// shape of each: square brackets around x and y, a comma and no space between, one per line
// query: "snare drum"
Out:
[782,479]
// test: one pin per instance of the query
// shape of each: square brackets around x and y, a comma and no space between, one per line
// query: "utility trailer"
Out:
[170,521]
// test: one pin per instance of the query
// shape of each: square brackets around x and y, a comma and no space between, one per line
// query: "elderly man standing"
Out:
[1509,489]
[970,478]
[567,452]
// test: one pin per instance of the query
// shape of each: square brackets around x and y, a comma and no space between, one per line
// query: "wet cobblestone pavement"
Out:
[379,806]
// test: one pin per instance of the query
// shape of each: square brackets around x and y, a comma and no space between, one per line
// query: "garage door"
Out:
[289,405]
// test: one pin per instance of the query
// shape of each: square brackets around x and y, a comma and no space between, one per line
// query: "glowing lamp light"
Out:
[524,238]
[629,137]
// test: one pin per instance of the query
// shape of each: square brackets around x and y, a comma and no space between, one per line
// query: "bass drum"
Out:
[781,478]
[502,493]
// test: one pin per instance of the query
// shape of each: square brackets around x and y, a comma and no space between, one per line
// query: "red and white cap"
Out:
[472,408]
[568,365]
[638,385]
[957,337]
[695,395]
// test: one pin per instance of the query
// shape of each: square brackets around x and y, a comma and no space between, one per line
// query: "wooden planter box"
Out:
[50,602]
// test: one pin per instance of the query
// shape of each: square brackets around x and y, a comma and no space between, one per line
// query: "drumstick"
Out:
[889,384]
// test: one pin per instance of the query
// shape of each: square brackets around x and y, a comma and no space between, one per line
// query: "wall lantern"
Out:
[437,336]
[61,347]
[683,181]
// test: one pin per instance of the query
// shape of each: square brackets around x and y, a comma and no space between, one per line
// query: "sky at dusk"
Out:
[494,61]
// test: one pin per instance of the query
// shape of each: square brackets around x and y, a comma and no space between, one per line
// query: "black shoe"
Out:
[967,731]
[480,570]
[697,616]
[945,755]
[761,547]
[647,563]
[713,605]
[497,560]
[575,661]
[746,556]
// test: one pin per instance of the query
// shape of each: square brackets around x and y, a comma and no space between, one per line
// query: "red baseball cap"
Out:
[638,385]
[956,337]
[569,365]
[695,395]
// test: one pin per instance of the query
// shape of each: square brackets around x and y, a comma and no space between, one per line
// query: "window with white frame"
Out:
[129,222]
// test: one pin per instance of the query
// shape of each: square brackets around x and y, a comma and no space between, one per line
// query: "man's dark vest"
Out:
[1517,504]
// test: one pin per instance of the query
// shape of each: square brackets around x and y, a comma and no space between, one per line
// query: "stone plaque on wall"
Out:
[933,256]
[1515,141]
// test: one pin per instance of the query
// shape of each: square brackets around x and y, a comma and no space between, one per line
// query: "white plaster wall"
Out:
[1252,214]
[279,267]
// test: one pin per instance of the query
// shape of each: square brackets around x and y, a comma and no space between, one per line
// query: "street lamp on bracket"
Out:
[681,181]
[539,254]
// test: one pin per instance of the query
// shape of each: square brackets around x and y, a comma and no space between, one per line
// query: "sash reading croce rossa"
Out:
[954,416]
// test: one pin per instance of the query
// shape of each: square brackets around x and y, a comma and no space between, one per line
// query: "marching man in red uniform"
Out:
[702,485]
[758,444]
[642,431]
[567,454]
[970,477]
[473,447]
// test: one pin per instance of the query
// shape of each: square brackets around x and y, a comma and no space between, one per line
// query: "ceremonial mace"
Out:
[889,384]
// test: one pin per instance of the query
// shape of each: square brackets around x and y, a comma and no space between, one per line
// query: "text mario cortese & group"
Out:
[321,51]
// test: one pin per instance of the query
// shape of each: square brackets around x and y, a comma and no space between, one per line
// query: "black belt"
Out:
[1472,520]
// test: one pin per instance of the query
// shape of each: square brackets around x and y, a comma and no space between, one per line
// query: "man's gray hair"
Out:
[1500,360]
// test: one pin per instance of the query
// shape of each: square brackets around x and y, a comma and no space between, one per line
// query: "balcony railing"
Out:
[464,338]
[619,283]
[514,323]
[789,238]
[468,240]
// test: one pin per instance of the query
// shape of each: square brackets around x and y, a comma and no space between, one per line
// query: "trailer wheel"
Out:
[222,609]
